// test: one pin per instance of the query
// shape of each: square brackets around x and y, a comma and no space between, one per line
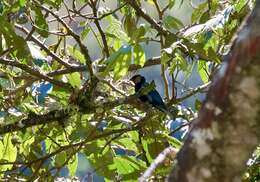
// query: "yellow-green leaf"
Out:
[139,55]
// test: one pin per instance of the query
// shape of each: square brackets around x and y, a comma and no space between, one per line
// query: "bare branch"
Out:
[34,120]
[148,18]
[102,34]
[168,152]
[41,45]
[83,48]
[34,72]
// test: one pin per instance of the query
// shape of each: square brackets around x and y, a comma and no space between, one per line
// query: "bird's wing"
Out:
[155,98]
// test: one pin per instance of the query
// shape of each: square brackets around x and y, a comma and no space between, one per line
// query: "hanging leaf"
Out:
[76,54]
[130,25]
[129,167]
[172,22]
[171,4]
[60,159]
[240,4]
[165,57]
[54,3]
[150,2]
[138,33]
[72,165]
[119,61]
[139,55]
[84,33]
[203,71]
[198,12]
[40,22]
[122,65]
[9,151]
[20,47]
[115,28]
[74,79]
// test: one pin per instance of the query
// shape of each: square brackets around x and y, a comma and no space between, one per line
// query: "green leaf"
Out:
[84,33]
[60,159]
[204,17]
[129,167]
[130,25]
[103,162]
[181,61]
[22,2]
[203,71]
[19,45]
[212,55]
[145,143]
[72,165]
[169,40]
[121,67]
[171,4]
[155,147]
[74,79]
[127,143]
[115,28]
[240,4]
[172,22]
[198,12]
[150,2]
[40,22]
[197,104]
[139,55]
[119,62]
[165,58]
[9,151]
[1,149]
[76,54]
[25,147]
[54,3]
[138,33]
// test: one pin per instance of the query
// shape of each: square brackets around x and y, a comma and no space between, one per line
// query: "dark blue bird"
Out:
[152,96]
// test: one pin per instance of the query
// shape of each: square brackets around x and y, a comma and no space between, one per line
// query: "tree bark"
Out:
[227,129]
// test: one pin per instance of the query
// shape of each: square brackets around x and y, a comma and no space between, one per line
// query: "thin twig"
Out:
[83,48]
[34,72]
[41,45]
[102,34]
[191,93]
[168,152]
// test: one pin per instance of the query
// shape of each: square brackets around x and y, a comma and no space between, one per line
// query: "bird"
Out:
[152,96]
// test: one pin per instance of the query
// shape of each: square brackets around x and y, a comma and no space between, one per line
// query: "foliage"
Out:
[84,103]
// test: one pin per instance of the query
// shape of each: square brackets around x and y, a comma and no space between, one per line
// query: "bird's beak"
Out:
[132,80]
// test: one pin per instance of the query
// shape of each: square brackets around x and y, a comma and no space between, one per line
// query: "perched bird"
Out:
[152,96]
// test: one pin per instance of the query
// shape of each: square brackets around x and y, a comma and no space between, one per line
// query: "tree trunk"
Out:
[228,129]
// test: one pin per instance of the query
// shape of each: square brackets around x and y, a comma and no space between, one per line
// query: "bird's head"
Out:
[138,79]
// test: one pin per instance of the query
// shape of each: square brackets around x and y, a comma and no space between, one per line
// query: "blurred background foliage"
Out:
[46,48]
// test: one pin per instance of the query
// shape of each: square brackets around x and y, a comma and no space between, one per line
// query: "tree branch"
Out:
[60,115]
[102,34]
[41,45]
[168,152]
[33,72]
[33,120]
[83,48]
